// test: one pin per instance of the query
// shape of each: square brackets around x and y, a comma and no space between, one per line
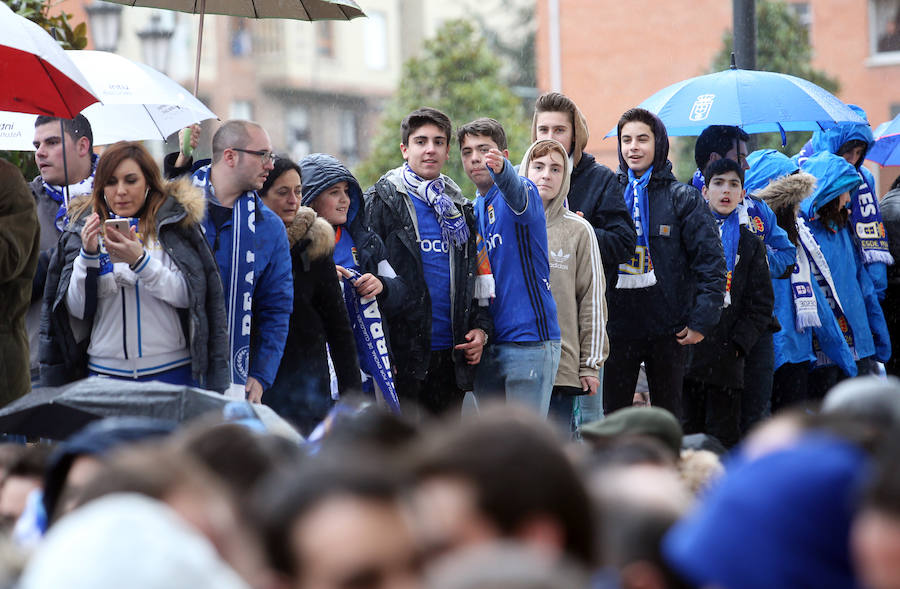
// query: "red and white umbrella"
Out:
[37,76]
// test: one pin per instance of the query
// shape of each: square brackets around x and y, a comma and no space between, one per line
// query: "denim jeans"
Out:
[523,373]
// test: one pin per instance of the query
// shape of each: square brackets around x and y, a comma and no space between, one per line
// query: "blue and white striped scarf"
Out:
[58,194]
[638,272]
[730,234]
[239,290]
[454,230]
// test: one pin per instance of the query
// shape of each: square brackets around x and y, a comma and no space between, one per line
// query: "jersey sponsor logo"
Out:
[493,240]
[434,245]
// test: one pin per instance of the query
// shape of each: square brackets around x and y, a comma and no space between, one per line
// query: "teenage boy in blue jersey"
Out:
[509,214]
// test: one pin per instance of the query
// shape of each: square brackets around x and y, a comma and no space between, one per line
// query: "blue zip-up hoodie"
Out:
[854,285]
[831,140]
[791,346]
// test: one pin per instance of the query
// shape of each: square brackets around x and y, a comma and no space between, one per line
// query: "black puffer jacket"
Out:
[301,391]
[63,353]
[388,213]
[688,261]
[320,171]
[890,212]
[719,358]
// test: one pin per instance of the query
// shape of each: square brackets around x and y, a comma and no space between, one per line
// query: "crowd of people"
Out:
[364,317]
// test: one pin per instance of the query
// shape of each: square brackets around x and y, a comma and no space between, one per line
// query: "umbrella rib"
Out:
[160,131]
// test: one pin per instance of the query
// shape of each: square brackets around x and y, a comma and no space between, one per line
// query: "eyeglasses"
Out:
[265,156]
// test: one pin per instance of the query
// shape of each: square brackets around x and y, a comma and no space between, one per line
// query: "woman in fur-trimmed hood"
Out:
[301,391]
[141,304]
[783,188]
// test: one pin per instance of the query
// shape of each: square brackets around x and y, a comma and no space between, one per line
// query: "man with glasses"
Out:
[251,247]
[727,142]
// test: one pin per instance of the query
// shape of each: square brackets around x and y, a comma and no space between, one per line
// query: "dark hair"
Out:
[834,212]
[31,463]
[883,490]
[852,144]
[722,166]
[660,136]
[483,126]
[75,128]
[109,161]
[421,117]
[281,165]
[718,139]
[555,102]
[896,184]
[518,471]
[289,495]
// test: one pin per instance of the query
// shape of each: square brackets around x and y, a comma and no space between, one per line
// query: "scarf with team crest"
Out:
[638,273]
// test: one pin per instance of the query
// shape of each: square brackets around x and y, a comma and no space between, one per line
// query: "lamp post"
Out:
[155,44]
[104,18]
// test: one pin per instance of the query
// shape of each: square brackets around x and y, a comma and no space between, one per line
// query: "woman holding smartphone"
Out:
[133,291]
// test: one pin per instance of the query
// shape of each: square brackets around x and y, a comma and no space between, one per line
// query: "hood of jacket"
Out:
[660,145]
[834,176]
[320,171]
[555,209]
[786,191]
[316,230]
[767,165]
[451,188]
[580,133]
[184,197]
[832,139]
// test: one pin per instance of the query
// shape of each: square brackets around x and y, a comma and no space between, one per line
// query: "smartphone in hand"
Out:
[123,226]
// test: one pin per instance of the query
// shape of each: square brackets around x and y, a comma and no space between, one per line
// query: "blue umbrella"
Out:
[757,101]
[886,151]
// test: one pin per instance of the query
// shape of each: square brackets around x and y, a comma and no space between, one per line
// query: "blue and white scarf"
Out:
[806,309]
[638,273]
[730,234]
[371,342]
[865,217]
[239,290]
[748,210]
[454,230]
[58,194]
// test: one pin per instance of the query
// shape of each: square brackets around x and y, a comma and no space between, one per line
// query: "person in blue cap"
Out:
[852,141]
[849,288]
[801,308]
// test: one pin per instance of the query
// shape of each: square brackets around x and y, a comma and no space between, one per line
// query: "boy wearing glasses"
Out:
[251,248]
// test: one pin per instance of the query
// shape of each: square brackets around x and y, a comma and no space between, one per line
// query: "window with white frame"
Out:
[884,27]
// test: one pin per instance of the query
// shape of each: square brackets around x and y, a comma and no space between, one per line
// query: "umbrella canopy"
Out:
[109,123]
[293,9]
[37,75]
[58,412]
[886,150]
[757,101]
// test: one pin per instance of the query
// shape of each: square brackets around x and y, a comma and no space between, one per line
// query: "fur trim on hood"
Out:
[787,191]
[581,134]
[555,209]
[306,225]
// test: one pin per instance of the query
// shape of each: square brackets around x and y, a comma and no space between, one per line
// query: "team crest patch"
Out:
[490,212]
[702,106]
[242,361]
[355,256]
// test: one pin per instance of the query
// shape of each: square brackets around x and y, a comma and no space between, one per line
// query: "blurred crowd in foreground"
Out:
[499,499]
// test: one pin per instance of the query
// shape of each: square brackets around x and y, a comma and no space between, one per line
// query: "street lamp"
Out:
[155,44]
[104,18]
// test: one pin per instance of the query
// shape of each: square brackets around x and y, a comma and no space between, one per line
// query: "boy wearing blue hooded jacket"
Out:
[800,305]
[849,290]
[852,141]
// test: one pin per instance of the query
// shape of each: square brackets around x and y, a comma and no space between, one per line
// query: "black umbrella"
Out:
[58,412]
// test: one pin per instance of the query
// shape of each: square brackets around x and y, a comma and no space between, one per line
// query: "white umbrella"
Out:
[109,123]
[36,75]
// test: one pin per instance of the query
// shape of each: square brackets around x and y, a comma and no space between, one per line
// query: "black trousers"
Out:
[712,410]
[758,374]
[790,385]
[891,307]
[435,396]
[663,358]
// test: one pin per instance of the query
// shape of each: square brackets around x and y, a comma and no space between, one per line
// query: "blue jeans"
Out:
[523,373]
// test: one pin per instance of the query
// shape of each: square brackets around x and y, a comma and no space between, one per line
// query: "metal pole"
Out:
[555,45]
[744,23]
